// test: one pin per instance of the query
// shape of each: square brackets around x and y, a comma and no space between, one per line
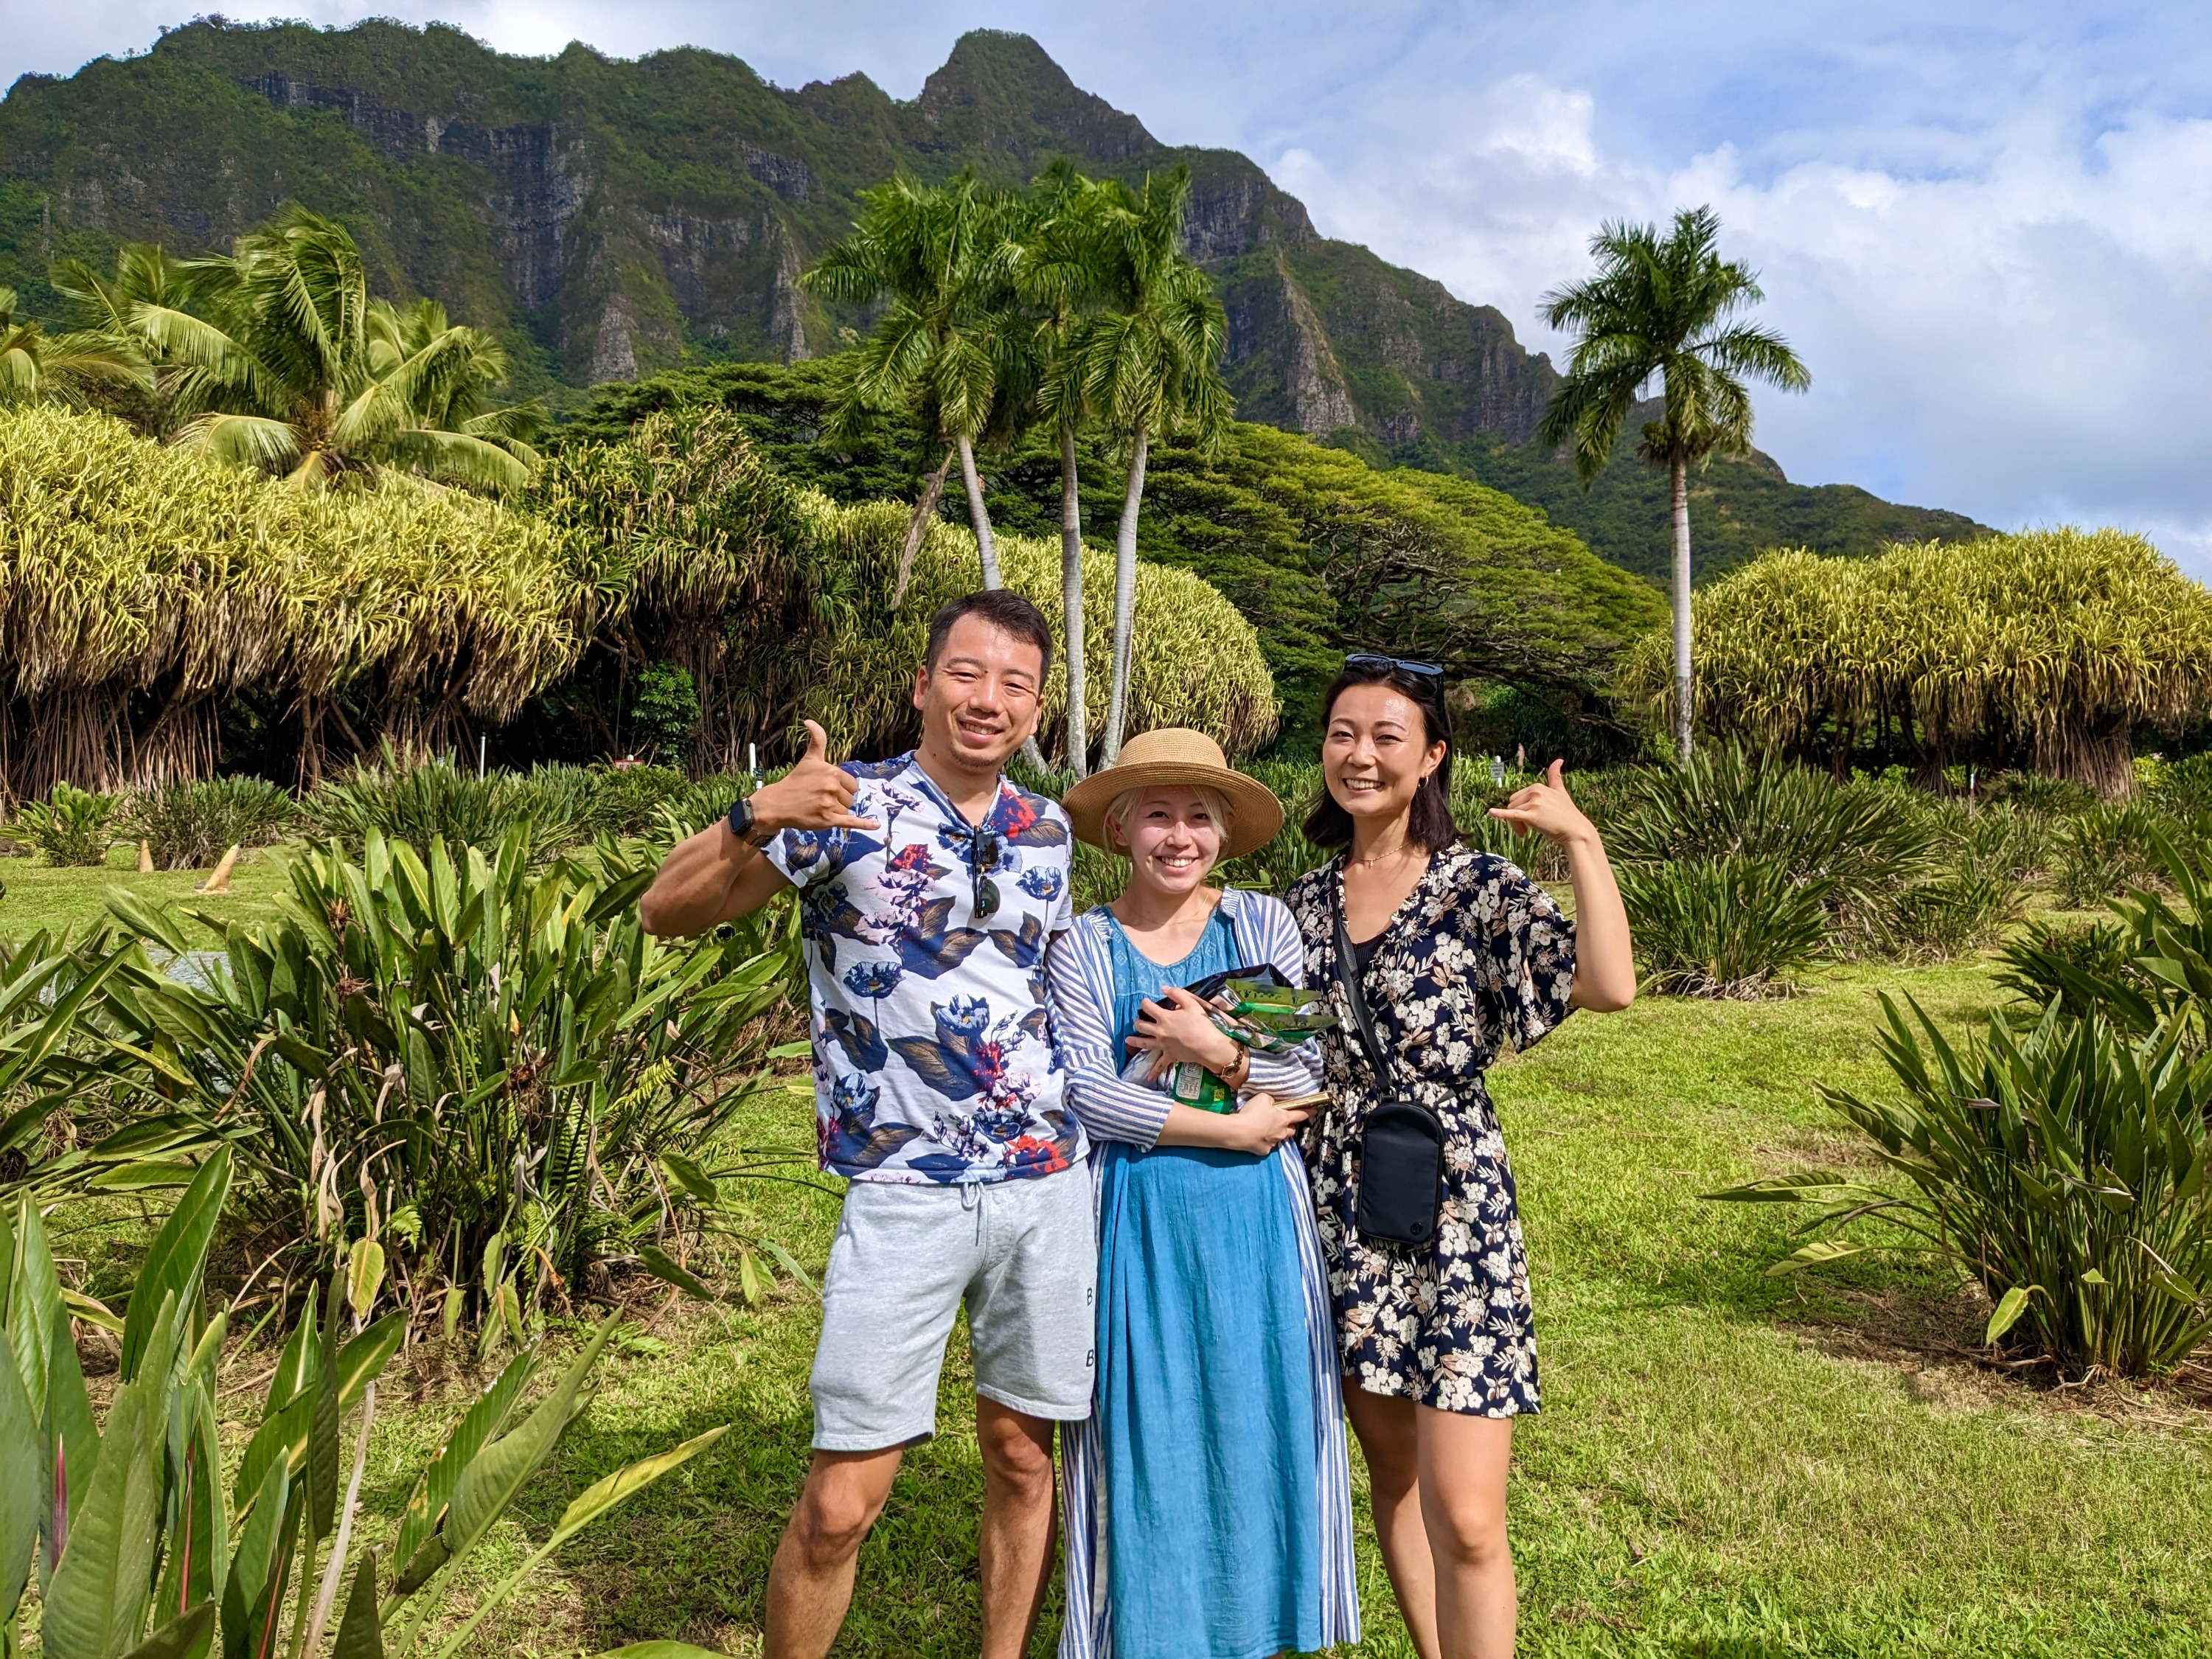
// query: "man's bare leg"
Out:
[1014,1554]
[809,1583]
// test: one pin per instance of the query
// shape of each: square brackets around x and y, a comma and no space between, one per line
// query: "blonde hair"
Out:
[1216,804]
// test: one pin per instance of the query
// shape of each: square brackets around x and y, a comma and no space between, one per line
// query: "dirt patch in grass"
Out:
[1934,1344]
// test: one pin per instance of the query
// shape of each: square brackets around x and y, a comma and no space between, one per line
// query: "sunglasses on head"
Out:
[1427,670]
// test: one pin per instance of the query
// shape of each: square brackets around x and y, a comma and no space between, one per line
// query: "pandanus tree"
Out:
[949,344]
[1148,365]
[1665,309]
[2051,649]
[277,358]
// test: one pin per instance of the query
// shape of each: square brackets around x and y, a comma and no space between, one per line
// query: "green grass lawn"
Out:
[1727,1465]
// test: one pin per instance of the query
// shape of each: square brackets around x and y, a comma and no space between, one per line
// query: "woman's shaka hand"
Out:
[1546,809]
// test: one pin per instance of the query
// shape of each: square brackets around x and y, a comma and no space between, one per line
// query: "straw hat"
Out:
[1175,756]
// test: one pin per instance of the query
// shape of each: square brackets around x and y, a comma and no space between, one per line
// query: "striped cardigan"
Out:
[1081,971]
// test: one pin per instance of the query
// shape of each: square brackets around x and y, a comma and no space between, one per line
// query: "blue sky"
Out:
[1987,228]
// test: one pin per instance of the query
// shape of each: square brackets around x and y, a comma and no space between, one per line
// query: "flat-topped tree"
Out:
[1663,306]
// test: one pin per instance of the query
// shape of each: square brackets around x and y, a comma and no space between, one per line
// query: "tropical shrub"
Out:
[1728,927]
[2105,851]
[146,1543]
[2184,787]
[2062,1169]
[2148,970]
[72,826]
[2049,797]
[2050,648]
[188,826]
[1862,842]
[424,800]
[475,1059]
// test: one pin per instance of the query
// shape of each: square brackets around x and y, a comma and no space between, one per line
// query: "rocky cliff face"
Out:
[617,217]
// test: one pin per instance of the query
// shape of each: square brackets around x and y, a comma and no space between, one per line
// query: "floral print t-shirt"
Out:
[932,1058]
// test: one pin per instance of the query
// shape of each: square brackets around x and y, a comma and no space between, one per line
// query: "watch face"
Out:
[741,818]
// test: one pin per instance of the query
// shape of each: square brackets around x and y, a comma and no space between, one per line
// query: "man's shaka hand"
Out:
[813,795]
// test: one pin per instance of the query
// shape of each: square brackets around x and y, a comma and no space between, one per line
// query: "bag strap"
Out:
[1347,975]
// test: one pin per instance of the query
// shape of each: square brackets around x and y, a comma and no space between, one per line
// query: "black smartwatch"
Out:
[742,827]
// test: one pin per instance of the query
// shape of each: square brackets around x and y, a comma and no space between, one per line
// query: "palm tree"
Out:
[1150,366]
[1663,307]
[949,345]
[1066,274]
[35,364]
[144,275]
[281,360]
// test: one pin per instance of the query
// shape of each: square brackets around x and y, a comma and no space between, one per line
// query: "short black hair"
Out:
[1431,825]
[1006,611]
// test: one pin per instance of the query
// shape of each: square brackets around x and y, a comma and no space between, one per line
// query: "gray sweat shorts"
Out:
[1022,1254]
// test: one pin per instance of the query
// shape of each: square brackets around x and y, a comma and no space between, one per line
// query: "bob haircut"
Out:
[1430,825]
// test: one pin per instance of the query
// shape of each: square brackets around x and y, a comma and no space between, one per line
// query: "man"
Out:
[929,887]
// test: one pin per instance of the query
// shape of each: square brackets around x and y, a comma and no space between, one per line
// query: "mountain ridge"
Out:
[612,217]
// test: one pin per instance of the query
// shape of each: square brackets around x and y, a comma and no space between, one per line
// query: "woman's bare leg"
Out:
[1390,1439]
[1463,1462]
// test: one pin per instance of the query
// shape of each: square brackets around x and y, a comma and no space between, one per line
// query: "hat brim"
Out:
[1255,816]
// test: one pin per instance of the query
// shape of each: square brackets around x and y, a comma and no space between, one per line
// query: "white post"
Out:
[480,757]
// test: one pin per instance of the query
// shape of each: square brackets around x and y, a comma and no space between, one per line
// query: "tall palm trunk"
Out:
[977,516]
[1070,594]
[1678,473]
[1125,599]
[917,527]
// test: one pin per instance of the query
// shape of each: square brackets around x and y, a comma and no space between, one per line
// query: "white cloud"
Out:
[2023,338]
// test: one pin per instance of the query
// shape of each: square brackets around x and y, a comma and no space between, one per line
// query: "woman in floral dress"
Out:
[1460,957]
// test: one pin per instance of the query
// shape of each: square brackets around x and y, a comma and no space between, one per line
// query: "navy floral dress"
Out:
[1476,961]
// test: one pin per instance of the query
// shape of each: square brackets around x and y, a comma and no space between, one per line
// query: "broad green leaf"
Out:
[21,1485]
[98,1595]
[2091,1277]
[1819,1251]
[173,1264]
[790,1265]
[68,1445]
[180,1638]
[2006,1314]
[449,1317]
[493,1477]
[688,1175]
[92,1311]
[152,1175]
[587,1506]
[482,1422]
[749,1279]
[257,1540]
[366,1277]
[323,1427]
[658,1263]
[362,1360]
[34,1303]
[603,1494]
[361,1633]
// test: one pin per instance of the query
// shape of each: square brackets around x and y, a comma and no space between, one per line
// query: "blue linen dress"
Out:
[1205,1394]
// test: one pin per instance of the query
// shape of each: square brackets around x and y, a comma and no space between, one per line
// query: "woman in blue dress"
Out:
[1207,1497]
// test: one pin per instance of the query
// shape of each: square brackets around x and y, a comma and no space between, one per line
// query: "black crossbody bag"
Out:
[1401,1149]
